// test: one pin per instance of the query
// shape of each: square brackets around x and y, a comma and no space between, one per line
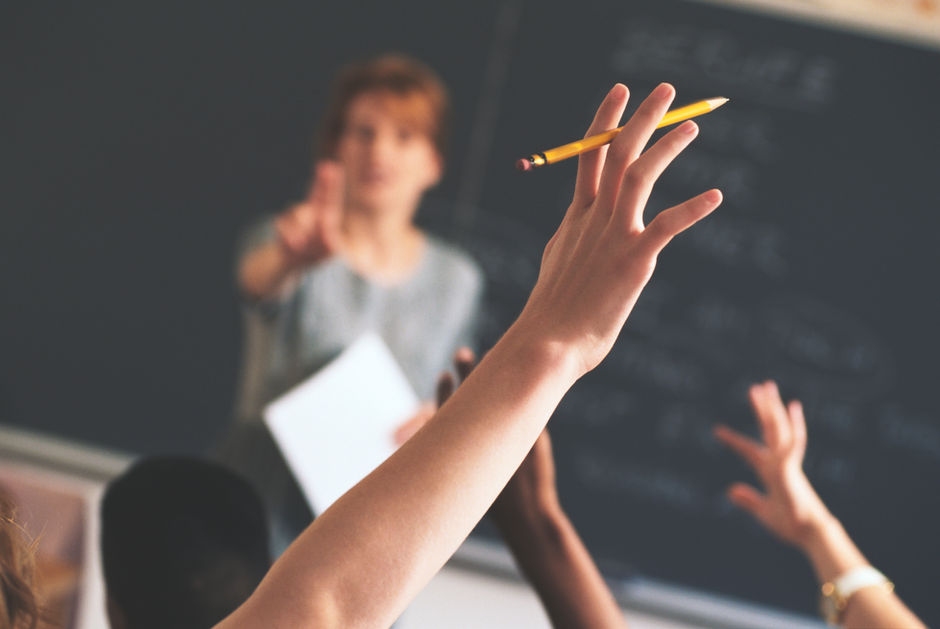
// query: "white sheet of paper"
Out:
[338,425]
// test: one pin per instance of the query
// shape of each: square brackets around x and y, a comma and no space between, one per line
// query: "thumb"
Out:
[750,500]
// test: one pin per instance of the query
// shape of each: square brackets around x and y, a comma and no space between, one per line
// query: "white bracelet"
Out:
[835,594]
[859,578]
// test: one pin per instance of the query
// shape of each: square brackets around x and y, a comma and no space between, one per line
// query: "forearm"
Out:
[363,559]
[875,606]
[830,550]
[832,553]
[553,558]
[266,271]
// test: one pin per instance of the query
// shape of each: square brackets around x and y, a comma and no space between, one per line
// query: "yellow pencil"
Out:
[587,144]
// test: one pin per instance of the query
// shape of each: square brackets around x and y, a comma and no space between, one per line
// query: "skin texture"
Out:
[791,510]
[363,560]
[543,541]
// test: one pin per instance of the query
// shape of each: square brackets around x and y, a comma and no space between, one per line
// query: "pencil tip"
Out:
[523,165]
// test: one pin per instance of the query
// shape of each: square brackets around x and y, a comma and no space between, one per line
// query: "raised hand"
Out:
[372,551]
[790,507]
[602,255]
[310,231]
[544,543]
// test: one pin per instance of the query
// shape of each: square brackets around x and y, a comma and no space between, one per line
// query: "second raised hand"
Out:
[790,508]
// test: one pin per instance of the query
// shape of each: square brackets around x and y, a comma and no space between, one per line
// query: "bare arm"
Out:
[548,549]
[791,509]
[306,234]
[543,541]
[368,555]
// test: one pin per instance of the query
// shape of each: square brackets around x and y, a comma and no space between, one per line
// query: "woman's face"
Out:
[388,161]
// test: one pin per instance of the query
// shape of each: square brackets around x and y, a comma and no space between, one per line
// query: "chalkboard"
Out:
[818,270]
[139,140]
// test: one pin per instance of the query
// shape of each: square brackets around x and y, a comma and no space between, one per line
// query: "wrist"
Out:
[830,549]
[836,594]
[526,341]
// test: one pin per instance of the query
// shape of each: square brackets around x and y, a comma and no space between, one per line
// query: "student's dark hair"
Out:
[183,541]
[418,96]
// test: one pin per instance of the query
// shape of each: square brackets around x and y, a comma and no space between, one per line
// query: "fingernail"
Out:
[713,196]
[663,91]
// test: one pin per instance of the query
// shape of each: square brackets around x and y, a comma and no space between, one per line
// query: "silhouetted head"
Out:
[183,541]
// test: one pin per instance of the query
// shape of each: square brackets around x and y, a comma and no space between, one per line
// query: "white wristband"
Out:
[856,579]
[836,593]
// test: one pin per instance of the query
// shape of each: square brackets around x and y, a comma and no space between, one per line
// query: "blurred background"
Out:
[138,140]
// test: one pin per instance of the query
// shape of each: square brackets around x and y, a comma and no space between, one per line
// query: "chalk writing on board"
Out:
[909,431]
[595,407]
[644,362]
[717,317]
[836,353]
[661,485]
[742,132]
[740,242]
[838,418]
[700,170]
[772,74]
[687,424]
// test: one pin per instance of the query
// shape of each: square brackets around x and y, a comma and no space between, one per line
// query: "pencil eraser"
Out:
[523,165]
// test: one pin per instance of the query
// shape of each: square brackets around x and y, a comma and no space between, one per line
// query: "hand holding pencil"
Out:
[603,254]
[595,141]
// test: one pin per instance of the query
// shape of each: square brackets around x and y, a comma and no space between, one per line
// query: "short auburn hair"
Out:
[419,97]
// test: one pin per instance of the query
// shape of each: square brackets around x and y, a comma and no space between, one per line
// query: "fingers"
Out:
[464,361]
[764,416]
[744,447]
[326,190]
[797,425]
[643,173]
[628,145]
[748,499]
[590,164]
[407,430]
[781,418]
[774,418]
[445,388]
[670,223]
[291,227]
